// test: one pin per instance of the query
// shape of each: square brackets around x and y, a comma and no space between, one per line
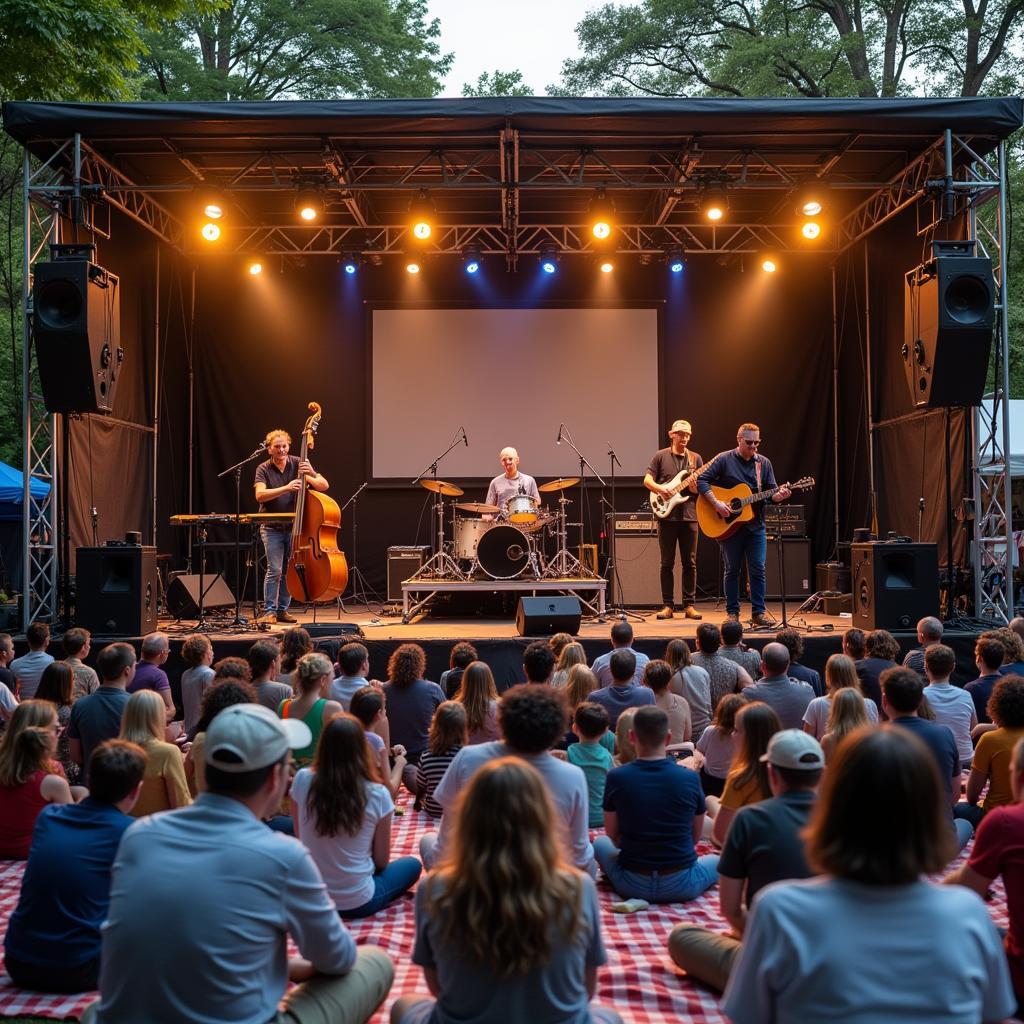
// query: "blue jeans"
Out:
[964,830]
[657,887]
[751,545]
[278,545]
[388,885]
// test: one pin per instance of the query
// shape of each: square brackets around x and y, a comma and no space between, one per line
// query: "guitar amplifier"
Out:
[403,562]
[788,520]
[632,523]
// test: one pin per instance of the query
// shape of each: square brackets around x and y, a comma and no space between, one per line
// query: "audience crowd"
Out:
[191,830]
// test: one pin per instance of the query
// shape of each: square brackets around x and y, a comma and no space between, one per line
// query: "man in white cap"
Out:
[679,527]
[764,845]
[203,900]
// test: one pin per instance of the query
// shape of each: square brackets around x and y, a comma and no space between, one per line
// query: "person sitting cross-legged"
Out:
[952,706]
[221,955]
[506,928]
[764,845]
[653,818]
[624,691]
[53,938]
[622,640]
[788,697]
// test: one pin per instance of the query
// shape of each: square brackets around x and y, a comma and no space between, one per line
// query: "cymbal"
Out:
[559,485]
[442,487]
[478,506]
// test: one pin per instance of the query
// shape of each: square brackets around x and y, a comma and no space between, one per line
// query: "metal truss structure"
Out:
[514,194]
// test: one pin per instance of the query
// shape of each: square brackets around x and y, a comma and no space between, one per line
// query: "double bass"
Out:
[317,569]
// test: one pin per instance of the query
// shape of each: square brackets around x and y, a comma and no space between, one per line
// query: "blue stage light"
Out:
[350,268]
[676,266]
[549,266]
[472,267]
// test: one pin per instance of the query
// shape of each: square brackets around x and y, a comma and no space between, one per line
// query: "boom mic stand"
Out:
[237,470]
[441,564]
[358,587]
[612,570]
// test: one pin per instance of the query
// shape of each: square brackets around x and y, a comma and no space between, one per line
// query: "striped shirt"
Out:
[429,773]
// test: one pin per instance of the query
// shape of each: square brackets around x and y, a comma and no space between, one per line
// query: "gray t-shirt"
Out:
[270,693]
[693,684]
[788,697]
[501,489]
[344,688]
[603,671]
[749,660]
[194,682]
[28,669]
[724,675]
[472,994]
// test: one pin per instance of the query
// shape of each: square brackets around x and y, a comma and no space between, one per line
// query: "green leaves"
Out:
[500,83]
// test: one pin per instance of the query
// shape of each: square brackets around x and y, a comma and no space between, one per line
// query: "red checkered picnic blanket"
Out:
[639,981]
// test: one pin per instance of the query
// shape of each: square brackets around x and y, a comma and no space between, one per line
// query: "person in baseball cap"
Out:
[795,750]
[674,502]
[247,737]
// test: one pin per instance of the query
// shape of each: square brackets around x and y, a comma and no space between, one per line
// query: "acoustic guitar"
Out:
[740,499]
[660,506]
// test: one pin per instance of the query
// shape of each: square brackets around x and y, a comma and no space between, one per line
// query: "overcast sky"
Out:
[532,36]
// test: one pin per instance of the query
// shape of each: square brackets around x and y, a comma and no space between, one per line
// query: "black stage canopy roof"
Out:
[510,175]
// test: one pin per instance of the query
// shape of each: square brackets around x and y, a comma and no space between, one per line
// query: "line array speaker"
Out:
[894,585]
[116,590]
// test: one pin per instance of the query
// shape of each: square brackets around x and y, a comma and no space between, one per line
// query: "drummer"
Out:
[510,483]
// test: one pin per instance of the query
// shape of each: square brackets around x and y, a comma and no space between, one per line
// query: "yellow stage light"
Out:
[607,267]
[255,267]
[421,229]
[308,203]
[811,230]
[768,265]
[412,268]
[714,202]
[211,231]
[421,216]
[601,211]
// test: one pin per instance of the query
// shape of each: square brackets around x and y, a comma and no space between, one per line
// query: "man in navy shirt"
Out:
[988,656]
[98,717]
[53,939]
[653,818]
[743,465]
[902,693]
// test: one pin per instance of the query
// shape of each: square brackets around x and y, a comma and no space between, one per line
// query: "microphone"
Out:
[561,427]
[465,440]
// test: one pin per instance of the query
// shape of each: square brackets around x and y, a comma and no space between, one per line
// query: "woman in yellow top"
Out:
[747,781]
[163,786]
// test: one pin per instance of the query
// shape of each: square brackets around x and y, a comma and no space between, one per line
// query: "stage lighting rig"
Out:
[472,259]
[606,266]
[550,256]
[210,231]
[212,202]
[422,214]
[714,200]
[255,268]
[769,264]
[309,202]
[412,267]
[674,259]
[350,262]
[811,230]
[601,211]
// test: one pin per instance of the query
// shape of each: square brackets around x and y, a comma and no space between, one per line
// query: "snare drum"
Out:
[521,509]
[467,536]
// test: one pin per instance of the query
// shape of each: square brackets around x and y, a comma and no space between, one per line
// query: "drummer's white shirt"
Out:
[502,488]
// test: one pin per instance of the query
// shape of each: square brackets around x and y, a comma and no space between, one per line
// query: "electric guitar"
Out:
[740,499]
[660,506]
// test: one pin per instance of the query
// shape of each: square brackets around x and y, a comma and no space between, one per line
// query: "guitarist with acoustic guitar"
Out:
[673,499]
[745,540]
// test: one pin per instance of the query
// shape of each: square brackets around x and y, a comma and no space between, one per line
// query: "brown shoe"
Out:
[758,619]
[285,617]
[732,617]
[689,612]
[665,613]
[270,619]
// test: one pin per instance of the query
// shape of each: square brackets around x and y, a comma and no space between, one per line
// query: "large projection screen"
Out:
[511,376]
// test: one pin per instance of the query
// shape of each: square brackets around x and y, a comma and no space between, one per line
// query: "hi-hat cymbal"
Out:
[560,484]
[478,506]
[442,487]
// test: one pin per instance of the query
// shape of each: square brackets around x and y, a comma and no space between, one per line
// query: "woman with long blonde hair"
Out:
[164,785]
[506,928]
[571,654]
[847,714]
[29,775]
[840,674]
[479,696]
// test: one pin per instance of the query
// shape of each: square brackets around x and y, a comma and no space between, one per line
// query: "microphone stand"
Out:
[618,606]
[237,470]
[441,564]
[358,587]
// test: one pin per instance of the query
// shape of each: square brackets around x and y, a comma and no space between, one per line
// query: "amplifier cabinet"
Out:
[796,555]
[638,568]
[404,562]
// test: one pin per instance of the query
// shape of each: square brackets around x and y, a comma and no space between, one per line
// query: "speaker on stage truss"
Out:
[76,324]
[116,590]
[183,595]
[948,316]
[545,616]
[894,585]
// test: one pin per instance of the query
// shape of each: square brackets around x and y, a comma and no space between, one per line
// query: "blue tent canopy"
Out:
[12,489]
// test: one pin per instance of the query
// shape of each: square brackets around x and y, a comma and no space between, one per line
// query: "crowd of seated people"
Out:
[270,810]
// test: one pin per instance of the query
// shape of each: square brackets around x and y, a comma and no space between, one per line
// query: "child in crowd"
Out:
[840,673]
[717,746]
[847,714]
[367,704]
[479,696]
[590,724]
[571,654]
[624,749]
[462,656]
[197,653]
[447,737]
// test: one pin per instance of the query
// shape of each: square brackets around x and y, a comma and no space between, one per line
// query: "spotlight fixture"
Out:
[412,267]
[769,264]
[714,201]
[421,216]
[255,268]
[606,266]
[211,231]
[601,212]
[211,201]
[810,199]
[811,230]
[350,262]
[549,257]
[675,260]
[309,203]
[471,259]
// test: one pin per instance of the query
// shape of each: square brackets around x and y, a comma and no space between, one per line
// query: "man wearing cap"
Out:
[511,482]
[679,528]
[203,900]
[764,845]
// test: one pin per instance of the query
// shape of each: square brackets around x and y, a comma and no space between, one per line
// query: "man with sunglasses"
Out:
[744,465]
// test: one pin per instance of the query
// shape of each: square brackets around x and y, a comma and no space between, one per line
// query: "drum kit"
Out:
[503,543]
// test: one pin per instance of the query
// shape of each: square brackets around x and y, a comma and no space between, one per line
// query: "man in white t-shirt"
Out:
[952,706]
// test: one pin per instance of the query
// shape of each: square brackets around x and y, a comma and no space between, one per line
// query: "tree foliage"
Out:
[866,48]
[310,49]
[500,83]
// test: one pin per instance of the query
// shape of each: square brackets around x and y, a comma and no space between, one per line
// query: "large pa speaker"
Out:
[894,585]
[545,616]
[948,315]
[116,590]
[183,595]
[77,329]
[638,568]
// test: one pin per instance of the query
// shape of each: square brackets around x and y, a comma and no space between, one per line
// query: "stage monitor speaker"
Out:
[116,590]
[894,585]
[183,595]
[77,330]
[403,562]
[638,572]
[796,557]
[545,616]
[948,316]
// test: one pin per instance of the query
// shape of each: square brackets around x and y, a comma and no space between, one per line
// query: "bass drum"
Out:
[503,552]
